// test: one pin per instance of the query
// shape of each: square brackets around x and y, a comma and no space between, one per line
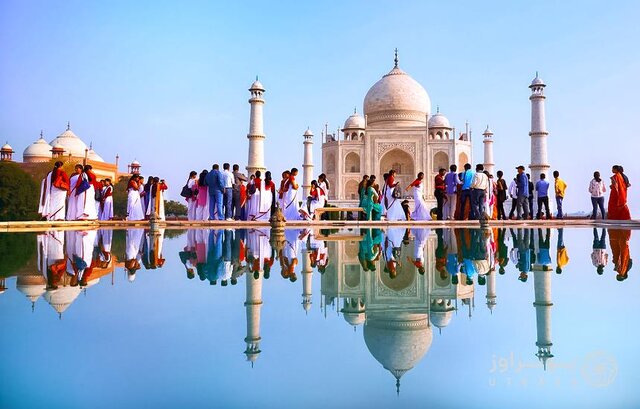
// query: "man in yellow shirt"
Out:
[562,257]
[561,186]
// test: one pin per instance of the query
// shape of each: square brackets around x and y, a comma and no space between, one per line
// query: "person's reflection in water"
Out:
[289,254]
[452,254]
[544,245]
[392,247]
[133,255]
[441,253]
[259,252]
[562,257]
[467,268]
[201,251]
[619,242]
[238,255]
[522,252]
[532,248]
[226,268]
[482,251]
[365,249]
[214,256]
[105,238]
[599,256]
[503,251]
[419,242]
[80,253]
[56,261]
[188,255]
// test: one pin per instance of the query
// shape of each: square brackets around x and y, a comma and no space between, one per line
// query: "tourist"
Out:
[362,189]
[513,193]
[142,193]
[254,189]
[156,198]
[490,199]
[597,188]
[560,187]
[531,192]
[291,208]
[617,208]
[440,192]
[236,204]
[281,190]
[465,196]
[314,200]
[190,193]
[269,197]
[393,193]
[383,194]
[216,193]
[619,242]
[562,257]
[323,183]
[74,182]
[452,183]
[227,184]
[522,186]
[85,193]
[599,256]
[53,194]
[479,192]
[371,202]
[202,198]
[542,187]
[147,193]
[106,204]
[501,195]
[406,210]
[420,210]
[134,204]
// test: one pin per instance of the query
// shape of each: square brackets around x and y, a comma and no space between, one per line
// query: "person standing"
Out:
[191,196]
[617,207]
[74,182]
[420,211]
[268,199]
[542,187]
[134,204]
[531,189]
[371,203]
[513,193]
[440,192]
[323,184]
[227,185]
[597,188]
[86,194]
[238,179]
[145,197]
[501,195]
[216,192]
[290,198]
[362,189]
[452,183]
[53,194]
[281,190]
[394,205]
[465,196]
[106,205]
[522,198]
[202,199]
[479,192]
[560,187]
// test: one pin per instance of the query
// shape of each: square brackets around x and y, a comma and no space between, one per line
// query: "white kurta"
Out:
[86,203]
[134,205]
[291,208]
[420,211]
[72,207]
[264,204]
[106,211]
[52,203]
[253,203]
[394,211]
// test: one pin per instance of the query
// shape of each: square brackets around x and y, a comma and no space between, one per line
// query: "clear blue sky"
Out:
[166,83]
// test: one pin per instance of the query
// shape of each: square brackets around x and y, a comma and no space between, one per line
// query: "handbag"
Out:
[99,195]
[397,193]
[186,192]
[84,186]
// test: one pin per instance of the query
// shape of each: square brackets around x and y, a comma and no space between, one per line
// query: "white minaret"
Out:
[307,280]
[491,290]
[539,162]
[542,285]
[488,150]
[307,165]
[252,306]
[256,129]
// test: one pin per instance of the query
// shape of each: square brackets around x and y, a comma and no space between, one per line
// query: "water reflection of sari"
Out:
[619,241]
[617,208]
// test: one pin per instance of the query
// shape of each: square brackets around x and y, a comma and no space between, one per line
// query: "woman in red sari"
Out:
[617,208]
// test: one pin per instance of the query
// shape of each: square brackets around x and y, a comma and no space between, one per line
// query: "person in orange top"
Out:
[617,208]
[619,242]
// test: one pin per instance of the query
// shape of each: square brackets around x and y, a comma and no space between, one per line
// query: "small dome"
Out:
[355,121]
[61,298]
[7,147]
[487,131]
[441,319]
[135,163]
[92,155]
[32,286]
[537,81]
[71,143]
[354,318]
[308,132]
[256,86]
[397,97]
[439,121]
[40,150]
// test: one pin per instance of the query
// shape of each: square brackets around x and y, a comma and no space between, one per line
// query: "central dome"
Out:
[71,143]
[397,98]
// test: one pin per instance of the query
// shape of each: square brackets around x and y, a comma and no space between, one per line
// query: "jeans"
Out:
[514,207]
[477,205]
[449,210]
[440,196]
[464,197]
[531,205]
[215,205]
[501,214]
[544,201]
[523,207]
[559,205]
[597,202]
[228,198]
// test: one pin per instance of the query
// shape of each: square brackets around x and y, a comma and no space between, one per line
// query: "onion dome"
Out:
[439,121]
[537,82]
[71,143]
[487,132]
[308,133]
[355,121]
[62,297]
[7,148]
[38,151]
[32,286]
[256,86]
[397,98]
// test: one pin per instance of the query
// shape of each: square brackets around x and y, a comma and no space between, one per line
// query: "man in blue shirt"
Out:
[542,187]
[522,186]
[452,184]
[216,191]
[465,195]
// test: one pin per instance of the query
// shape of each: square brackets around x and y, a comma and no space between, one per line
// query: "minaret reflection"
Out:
[259,256]
[542,271]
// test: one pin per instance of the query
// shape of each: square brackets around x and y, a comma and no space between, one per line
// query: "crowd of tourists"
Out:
[228,194]
[83,197]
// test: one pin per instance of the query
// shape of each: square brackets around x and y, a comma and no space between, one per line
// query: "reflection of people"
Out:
[451,244]
[619,241]
[562,257]
[523,258]
[132,252]
[392,246]
[544,244]
[468,268]
[419,242]
[503,251]
[599,256]
[289,255]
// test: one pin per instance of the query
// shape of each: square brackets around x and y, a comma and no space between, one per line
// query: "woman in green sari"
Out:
[372,209]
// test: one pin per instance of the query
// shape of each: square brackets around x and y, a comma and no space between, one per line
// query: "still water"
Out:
[326,318]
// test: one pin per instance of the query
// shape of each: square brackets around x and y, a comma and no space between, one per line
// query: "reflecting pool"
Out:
[319,318]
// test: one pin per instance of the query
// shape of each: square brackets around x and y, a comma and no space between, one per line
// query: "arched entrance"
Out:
[402,163]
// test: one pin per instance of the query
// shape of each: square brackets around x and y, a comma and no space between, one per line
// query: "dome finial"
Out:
[68,125]
[41,134]
[395,60]
[536,74]
[437,109]
[398,386]
[256,77]
[355,110]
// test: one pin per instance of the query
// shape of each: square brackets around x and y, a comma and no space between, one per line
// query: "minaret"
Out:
[307,165]
[252,306]
[539,162]
[543,304]
[488,150]
[491,290]
[307,280]
[256,129]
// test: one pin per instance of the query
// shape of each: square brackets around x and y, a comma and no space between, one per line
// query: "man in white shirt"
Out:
[513,192]
[227,185]
[479,192]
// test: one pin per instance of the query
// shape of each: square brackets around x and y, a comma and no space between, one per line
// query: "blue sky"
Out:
[166,83]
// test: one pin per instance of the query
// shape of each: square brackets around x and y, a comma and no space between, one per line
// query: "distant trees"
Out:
[19,193]
[171,207]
